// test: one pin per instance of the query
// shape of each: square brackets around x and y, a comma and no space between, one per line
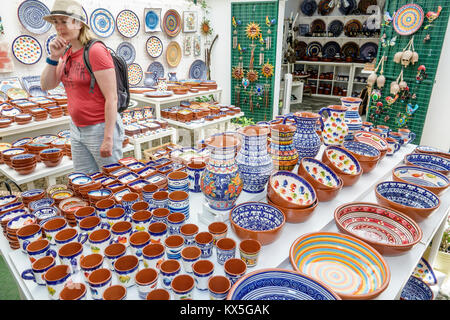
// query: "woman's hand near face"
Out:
[57,48]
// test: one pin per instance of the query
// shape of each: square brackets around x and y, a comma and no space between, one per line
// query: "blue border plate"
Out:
[127,51]
[156,67]
[47,42]
[123,32]
[102,22]
[31,13]
[198,70]
[151,20]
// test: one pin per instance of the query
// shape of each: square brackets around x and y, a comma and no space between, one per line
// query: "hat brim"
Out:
[50,16]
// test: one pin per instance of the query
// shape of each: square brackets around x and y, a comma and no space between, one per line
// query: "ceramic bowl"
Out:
[289,190]
[416,289]
[23,159]
[295,215]
[32,195]
[51,153]
[423,177]
[279,284]
[433,151]
[317,255]
[258,221]
[367,155]
[429,161]
[52,163]
[414,201]
[26,170]
[374,140]
[389,231]
[343,163]
[425,272]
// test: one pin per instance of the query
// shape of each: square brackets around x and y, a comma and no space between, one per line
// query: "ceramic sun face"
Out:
[237,73]
[267,70]
[252,75]
[253,30]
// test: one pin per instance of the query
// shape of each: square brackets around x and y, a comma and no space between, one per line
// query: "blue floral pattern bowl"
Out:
[416,289]
[423,177]
[429,161]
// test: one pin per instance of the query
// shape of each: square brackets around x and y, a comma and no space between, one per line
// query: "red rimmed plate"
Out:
[172,23]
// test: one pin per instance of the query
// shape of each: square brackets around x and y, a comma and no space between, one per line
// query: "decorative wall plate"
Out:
[331,49]
[152,19]
[313,49]
[318,25]
[173,54]
[335,28]
[350,49]
[324,7]
[126,51]
[27,49]
[368,51]
[158,68]
[190,22]
[198,70]
[135,74]
[47,42]
[347,6]
[102,22]
[8,83]
[172,23]
[416,289]
[353,28]
[308,7]
[363,5]
[408,19]
[30,14]
[154,46]
[127,23]
[300,49]
[33,85]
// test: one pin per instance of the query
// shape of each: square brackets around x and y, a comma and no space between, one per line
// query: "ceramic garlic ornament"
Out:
[398,57]
[415,57]
[406,57]
[381,80]
[372,79]
[395,88]
[403,85]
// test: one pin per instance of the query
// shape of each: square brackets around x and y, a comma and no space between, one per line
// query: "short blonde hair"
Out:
[85,35]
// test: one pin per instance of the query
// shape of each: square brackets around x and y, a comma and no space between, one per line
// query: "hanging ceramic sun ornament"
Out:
[252,74]
[267,69]
[206,27]
[253,30]
[237,73]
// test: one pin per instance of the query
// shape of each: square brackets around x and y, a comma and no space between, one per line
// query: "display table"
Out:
[15,128]
[137,142]
[158,102]
[276,254]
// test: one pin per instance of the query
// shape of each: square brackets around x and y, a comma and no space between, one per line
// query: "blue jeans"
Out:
[86,142]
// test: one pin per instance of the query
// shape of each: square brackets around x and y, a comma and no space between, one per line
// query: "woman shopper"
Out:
[96,129]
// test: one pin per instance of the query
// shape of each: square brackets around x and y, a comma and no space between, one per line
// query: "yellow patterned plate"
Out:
[16,93]
[173,54]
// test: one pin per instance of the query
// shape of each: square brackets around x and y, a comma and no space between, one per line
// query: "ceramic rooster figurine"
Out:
[431,16]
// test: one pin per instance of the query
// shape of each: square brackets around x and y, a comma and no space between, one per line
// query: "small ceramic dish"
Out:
[318,255]
[289,190]
[424,271]
[367,155]
[423,177]
[414,201]
[387,230]
[258,221]
[429,161]
[416,289]
[343,163]
[23,159]
[295,215]
[372,139]
[431,150]
[44,202]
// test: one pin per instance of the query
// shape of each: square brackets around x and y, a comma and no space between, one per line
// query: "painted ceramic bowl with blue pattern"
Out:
[258,221]
[279,284]
[343,163]
[429,161]
[432,150]
[414,201]
[368,156]
[423,177]
[416,289]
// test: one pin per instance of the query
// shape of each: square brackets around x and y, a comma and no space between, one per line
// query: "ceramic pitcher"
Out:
[281,147]
[172,76]
[334,129]
[221,182]
[150,80]
[253,160]
[352,117]
[306,140]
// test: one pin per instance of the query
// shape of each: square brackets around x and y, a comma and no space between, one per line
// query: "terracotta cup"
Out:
[204,240]
[114,215]
[38,269]
[98,240]
[52,227]
[249,251]
[121,232]
[84,212]
[174,244]
[153,255]
[168,270]
[160,215]
[69,235]
[55,280]
[161,199]
[70,254]
[189,255]
[158,232]
[141,220]
[90,263]
[175,221]
[104,205]
[188,231]
[113,252]
[126,268]
[234,269]
[183,287]
[27,234]
[158,294]
[74,291]
[138,241]
[218,230]
[140,205]
[225,249]
[98,281]
[218,287]
[38,249]
[89,224]
[146,281]
[115,292]
[203,270]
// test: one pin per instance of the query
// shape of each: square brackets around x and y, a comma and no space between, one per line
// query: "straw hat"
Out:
[68,8]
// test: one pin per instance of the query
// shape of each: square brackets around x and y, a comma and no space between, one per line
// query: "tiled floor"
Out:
[8,286]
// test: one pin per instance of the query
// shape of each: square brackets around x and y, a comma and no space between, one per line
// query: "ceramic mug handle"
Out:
[322,110]
[286,118]
[397,146]
[412,137]
[28,275]
[82,238]
[51,252]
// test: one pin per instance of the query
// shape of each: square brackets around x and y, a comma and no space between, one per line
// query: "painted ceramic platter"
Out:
[154,46]
[429,161]
[293,188]
[343,160]
[425,272]
[172,23]
[152,20]
[27,49]
[127,23]
[372,139]
[347,6]
[318,25]
[308,7]
[279,284]
[368,51]
[198,70]
[45,139]
[135,74]
[33,85]
[173,54]
[102,22]
[387,230]
[361,148]
[126,51]
[47,42]
[336,27]
[331,49]
[156,67]
[16,93]
[408,19]
[324,7]
[10,112]
[158,94]
[353,28]
[320,172]
[350,267]
[350,49]
[313,49]
[423,177]
[30,13]
[416,289]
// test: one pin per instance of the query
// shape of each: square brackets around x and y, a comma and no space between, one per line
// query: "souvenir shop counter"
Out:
[15,128]
[276,254]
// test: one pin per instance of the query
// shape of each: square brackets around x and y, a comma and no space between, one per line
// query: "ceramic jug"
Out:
[172,76]
[334,129]
[254,162]
[162,84]
[352,118]
[281,147]
[306,140]
[150,80]
[221,182]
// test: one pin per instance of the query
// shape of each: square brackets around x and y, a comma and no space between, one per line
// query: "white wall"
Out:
[13,29]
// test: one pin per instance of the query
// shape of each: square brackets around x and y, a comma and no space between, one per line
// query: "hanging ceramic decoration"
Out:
[197,46]
[346,7]
[431,16]
[335,28]
[197,70]
[27,49]
[127,23]
[30,14]
[135,74]
[172,23]
[156,68]
[308,7]
[350,49]
[408,19]
[237,73]
[331,49]
[102,22]
[253,30]
[154,46]
[325,7]
[313,49]
[152,17]
[127,52]
[187,45]
[206,27]
[32,84]
[173,54]
[368,51]
[48,41]
[190,21]
[267,70]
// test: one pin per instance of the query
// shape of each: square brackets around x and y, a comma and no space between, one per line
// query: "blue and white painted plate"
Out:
[156,67]
[127,51]
[31,13]
[429,161]
[47,42]
[102,22]
[198,70]
[416,289]
[81,180]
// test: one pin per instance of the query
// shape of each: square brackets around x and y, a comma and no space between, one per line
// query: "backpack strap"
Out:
[88,64]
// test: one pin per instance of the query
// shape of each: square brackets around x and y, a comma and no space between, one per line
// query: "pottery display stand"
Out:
[15,128]
[137,142]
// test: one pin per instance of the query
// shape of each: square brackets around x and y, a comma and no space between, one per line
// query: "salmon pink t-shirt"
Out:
[85,108]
